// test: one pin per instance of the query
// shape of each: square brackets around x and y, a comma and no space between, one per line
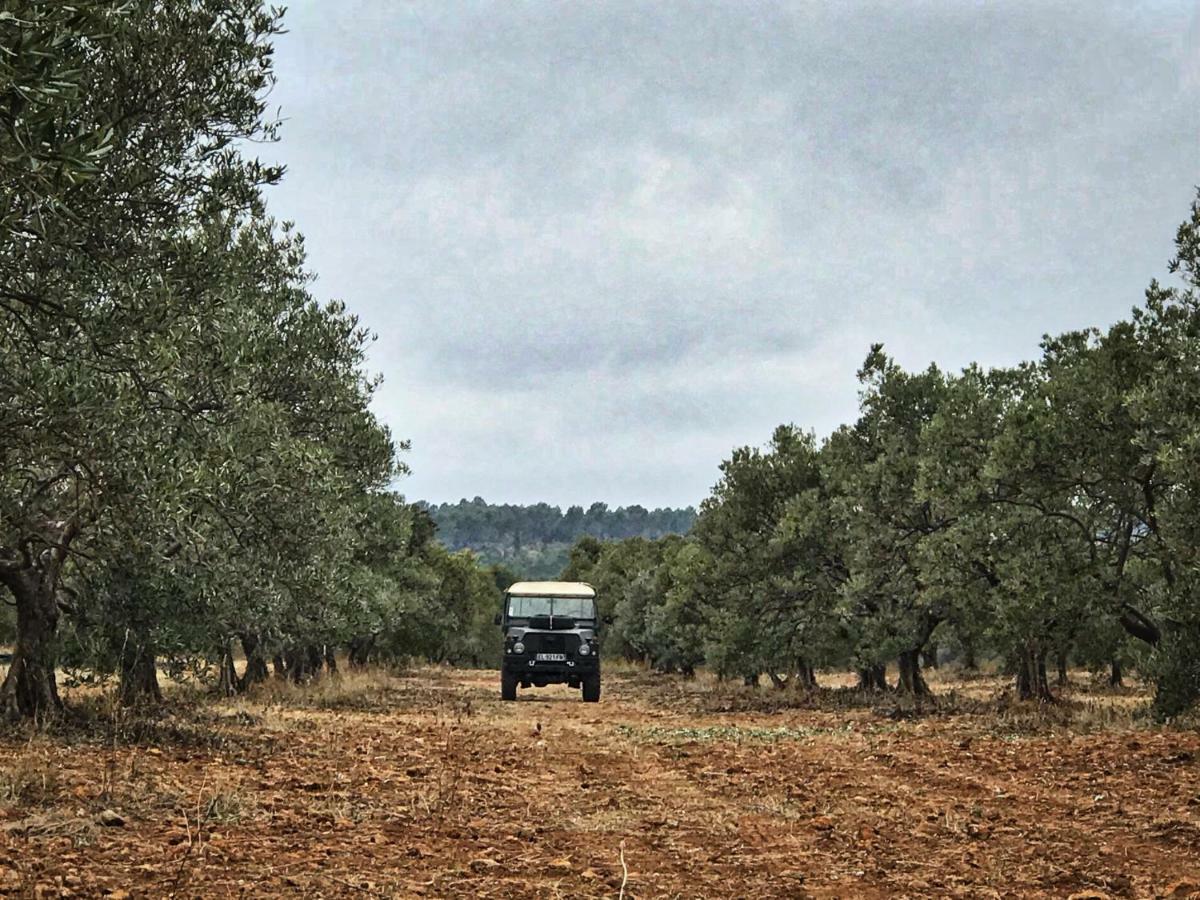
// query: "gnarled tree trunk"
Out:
[361,647]
[1115,676]
[29,688]
[969,660]
[256,661]
[316,659]
[808,677]
[1032,683]
[139,674]
[227,684]
[303,662]
[911,679]
[872,678]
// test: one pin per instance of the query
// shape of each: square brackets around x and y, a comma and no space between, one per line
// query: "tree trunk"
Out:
[331,660]
[279,666]
[316,659]
[1032,683]
[1115,676]
[361,647]
[256,660]
[139,674]
[969,660]
[929,657]
[1061,661]
[29,688]
[808,678]
[296,660]
[303,662]
[227,684]
[911,680]
[872,678]
[1025,677]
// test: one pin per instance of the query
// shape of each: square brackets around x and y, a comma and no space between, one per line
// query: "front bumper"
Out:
[526,667]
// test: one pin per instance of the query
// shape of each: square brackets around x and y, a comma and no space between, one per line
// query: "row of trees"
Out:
[1047,511]
[187,454]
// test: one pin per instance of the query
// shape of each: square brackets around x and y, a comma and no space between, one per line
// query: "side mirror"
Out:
[499,619]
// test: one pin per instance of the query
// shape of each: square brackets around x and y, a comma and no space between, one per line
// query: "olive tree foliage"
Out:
[772,573]
[1164,408]
[1046,511]
[876,503]
[184,432]
[647,589]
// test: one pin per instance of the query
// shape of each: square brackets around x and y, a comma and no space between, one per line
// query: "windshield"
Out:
[575,607]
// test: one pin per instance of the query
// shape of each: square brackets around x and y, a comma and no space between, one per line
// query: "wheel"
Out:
[591,688]
[508,687]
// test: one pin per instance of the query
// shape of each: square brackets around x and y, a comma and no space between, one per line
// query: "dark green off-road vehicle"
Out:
[550,637]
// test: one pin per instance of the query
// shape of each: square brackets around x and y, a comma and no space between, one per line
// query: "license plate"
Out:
[552,657]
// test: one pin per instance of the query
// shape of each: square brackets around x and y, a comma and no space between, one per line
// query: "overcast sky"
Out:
[603,243]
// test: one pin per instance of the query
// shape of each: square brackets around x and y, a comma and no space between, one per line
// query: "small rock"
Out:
[111,818]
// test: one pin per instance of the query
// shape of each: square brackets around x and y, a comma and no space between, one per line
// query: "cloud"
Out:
[605,243]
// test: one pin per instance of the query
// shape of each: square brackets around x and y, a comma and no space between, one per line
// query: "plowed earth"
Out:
[427,785]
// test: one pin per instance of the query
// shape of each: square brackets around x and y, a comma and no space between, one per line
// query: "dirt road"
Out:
[430,786]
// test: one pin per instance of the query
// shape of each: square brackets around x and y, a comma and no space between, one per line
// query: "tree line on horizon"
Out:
[534,541]
[1042,514]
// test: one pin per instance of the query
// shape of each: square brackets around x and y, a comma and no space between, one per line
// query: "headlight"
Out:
[518,647]
[584,649]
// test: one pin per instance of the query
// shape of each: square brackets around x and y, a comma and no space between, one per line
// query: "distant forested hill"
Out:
[534,541]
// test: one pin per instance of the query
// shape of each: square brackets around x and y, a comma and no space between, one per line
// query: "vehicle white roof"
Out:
[552,589]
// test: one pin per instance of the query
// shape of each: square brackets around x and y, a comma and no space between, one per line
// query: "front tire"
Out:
[508,687]
[591,688]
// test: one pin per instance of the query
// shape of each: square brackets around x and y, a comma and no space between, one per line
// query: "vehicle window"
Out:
[575,607]
[527,607]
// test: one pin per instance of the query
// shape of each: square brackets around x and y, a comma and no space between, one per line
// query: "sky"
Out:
[604,243]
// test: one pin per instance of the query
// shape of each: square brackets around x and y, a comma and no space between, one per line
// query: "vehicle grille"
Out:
[551,643]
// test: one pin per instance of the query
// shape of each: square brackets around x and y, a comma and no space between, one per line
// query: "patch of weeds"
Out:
[1014,718]
[190,722]
[30,781]
[371,690]
[228,807]
[440,794]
